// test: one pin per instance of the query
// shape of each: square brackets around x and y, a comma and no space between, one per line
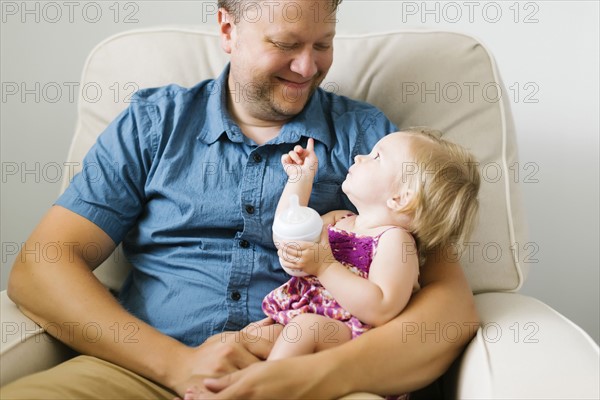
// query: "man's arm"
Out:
[63,291]
[406,354]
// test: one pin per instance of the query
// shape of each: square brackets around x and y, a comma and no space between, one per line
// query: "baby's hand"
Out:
[301,162]
[308,257]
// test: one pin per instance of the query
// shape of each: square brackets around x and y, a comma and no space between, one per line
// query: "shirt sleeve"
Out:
[109,190]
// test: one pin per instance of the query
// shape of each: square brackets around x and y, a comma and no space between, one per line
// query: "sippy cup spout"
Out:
[294,214]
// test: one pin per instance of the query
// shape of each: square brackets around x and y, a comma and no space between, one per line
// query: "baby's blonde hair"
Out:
[445,182]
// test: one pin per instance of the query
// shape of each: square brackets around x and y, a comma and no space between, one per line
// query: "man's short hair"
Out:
[234,7]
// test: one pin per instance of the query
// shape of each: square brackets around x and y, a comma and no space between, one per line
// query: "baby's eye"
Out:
[376,156]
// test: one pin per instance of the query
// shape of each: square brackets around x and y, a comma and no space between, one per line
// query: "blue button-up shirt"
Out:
[192,199]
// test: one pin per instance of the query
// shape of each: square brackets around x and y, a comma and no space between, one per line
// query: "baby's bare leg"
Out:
[309,333]
[254,332]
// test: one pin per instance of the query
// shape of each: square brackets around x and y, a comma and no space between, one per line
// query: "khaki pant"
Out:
[85,377]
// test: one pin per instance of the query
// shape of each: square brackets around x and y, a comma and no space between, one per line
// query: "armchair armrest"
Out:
[26,348]
[524,349]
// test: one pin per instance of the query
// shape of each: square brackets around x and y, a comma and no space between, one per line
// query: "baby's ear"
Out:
[399,201]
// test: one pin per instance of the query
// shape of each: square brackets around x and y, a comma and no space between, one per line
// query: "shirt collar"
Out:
[311,122]
[218,121]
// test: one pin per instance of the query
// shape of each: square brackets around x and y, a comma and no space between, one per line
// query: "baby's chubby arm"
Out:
[393,272]
[300,165]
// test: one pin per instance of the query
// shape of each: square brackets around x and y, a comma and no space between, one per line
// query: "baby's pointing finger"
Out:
[310,145]
[295,157]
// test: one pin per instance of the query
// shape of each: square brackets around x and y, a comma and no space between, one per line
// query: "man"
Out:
[201,243]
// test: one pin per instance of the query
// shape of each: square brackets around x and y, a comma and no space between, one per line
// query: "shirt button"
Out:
[235,296]
[257,157]
[249,209]
[244,243]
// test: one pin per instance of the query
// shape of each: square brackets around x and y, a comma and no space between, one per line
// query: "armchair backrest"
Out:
[445,80]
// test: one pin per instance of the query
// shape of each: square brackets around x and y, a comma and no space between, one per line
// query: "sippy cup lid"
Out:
[298,222]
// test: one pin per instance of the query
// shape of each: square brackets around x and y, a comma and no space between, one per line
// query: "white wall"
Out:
[547,53]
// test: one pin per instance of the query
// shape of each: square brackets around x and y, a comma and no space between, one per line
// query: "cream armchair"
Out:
[524,349]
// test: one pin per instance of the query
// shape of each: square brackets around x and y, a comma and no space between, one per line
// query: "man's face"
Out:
[280,53]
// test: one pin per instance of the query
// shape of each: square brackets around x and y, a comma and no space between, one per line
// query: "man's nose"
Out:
[304,63]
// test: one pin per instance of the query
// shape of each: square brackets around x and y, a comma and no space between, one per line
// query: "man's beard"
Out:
[277,102]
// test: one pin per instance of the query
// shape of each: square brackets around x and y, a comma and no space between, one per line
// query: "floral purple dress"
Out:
[302,295]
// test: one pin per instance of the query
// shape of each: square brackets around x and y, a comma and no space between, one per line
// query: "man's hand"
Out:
[291,378]
[220,354]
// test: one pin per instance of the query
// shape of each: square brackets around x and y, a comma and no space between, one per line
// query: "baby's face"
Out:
[376,176]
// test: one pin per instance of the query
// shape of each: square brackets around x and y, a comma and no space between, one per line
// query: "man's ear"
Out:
[399,201]
[226,27]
